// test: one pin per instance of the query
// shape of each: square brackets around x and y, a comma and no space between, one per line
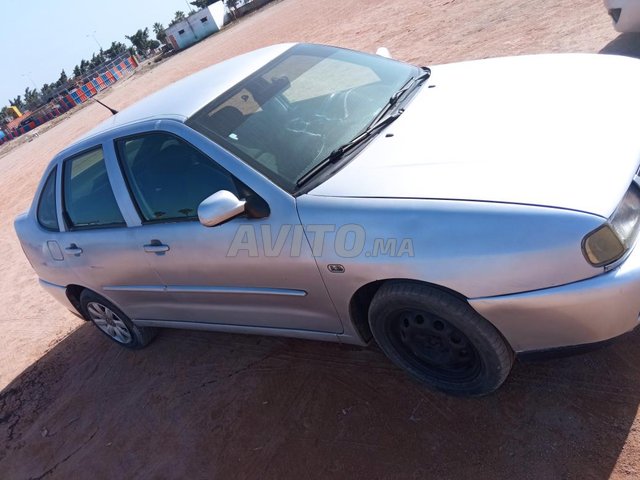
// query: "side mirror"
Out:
[219,207]
[383,52]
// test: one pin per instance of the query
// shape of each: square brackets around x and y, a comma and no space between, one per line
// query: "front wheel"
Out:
[439,339]
[111,321]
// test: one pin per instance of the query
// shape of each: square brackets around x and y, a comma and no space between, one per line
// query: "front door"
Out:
[245,272]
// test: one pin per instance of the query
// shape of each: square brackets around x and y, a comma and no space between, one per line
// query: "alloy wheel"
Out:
[109,322]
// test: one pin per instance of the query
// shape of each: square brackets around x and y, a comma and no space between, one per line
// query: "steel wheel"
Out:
[109,322]
[439,339]
[435,345]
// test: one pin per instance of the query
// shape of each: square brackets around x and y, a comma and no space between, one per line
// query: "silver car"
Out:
[457,215]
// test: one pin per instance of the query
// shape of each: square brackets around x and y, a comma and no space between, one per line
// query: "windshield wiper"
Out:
[380,121]
[342,150]
[412,83]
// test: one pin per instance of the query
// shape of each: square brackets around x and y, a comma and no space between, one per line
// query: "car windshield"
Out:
[290,115]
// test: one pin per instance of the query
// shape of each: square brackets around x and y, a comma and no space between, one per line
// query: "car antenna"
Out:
[113,112]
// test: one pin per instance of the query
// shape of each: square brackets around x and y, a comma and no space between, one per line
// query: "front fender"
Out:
[478,249]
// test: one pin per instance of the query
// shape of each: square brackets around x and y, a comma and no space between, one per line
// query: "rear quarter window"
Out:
[47,212]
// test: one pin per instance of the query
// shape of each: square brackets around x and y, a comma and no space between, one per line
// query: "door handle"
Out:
[156,247]
[73,249]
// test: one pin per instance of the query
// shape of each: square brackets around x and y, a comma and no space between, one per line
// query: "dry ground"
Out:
[202,405]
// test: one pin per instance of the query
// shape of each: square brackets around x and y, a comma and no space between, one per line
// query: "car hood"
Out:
[550,130]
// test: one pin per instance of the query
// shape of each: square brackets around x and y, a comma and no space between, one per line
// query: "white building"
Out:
[196,26]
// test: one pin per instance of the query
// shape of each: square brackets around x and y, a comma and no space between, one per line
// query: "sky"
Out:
[39,38]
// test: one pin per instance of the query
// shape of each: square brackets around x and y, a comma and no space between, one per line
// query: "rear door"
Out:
[96,241]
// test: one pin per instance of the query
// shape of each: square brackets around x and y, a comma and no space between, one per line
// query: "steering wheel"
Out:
[364,100]
[335,106]
[302,145]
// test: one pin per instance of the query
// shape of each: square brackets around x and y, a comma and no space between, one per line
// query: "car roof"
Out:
[185,97]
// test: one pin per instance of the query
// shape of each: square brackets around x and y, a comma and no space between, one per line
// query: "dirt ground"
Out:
[201,405]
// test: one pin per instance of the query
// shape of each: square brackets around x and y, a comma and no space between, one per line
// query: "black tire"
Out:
[439,339]
[123,331]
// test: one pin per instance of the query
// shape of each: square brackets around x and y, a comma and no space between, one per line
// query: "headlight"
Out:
[611,241]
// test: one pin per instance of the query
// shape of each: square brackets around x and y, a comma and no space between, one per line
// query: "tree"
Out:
[82,68]
[34,98]
[178,17]
[31,99]
[17,102]
[116,48]
[158,29]
[5,117]
[203,3]
[62,79]
[95,61]
[47,92]
[141,41]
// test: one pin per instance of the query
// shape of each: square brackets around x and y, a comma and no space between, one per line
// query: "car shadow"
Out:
[627,44]
[203,405]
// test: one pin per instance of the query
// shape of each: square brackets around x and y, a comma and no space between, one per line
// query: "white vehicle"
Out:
[625,14]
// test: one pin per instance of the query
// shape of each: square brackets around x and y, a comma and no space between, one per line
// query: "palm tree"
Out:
[202,3]
[158,29]
[142,42]
[178,17]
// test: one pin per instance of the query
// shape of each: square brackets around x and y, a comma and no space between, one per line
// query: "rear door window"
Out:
[89,201]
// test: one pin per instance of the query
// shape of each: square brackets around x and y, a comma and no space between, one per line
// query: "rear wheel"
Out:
[439,339]
[111,321]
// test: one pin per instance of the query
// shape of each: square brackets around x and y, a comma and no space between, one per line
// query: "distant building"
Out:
[14,112]
[196,26]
